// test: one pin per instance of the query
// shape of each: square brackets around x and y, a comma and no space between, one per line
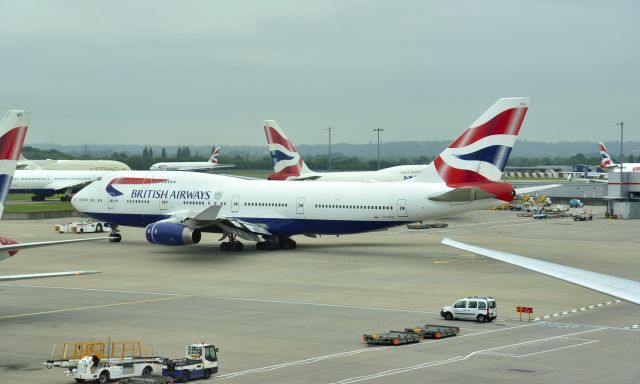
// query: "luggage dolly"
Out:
[391,338]
[430,331]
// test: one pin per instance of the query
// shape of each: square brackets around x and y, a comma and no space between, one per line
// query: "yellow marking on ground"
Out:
[440,262]
[93,307]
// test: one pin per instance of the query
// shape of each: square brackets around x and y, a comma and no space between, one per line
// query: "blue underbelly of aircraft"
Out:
[287,227]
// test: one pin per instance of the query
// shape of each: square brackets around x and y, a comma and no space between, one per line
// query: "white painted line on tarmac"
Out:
[88,307]
[350,353]
[94,290]
[396,371]
[322,304]
[227,298]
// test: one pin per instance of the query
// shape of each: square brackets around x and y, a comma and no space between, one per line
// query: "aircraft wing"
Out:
[44,275]
[624,289]
[16,247]
[527,190]
[61,185]
[210,217]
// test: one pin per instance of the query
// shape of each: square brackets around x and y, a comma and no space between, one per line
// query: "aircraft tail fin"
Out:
[287,162]
[13,129]
[214,156]
[477,158]
[605,159]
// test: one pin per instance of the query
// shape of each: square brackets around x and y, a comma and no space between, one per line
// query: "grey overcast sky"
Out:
[201,72]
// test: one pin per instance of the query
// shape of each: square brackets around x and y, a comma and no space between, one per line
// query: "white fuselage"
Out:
[51,181]
[186,166]
[73,165]
[138,198]
[397,173]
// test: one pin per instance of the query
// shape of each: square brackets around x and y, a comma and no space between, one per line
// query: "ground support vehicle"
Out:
[89,226]
[583,216]
[391,338]
[104,361]
[480,308]
[201,361]
[576,203]
[430,331]
[93,368]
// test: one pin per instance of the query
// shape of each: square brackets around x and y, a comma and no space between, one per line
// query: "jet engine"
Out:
[172,234]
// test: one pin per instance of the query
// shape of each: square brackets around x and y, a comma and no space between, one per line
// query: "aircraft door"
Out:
[300,205]
[110,204]
[402,208]
[235,203]
[164,202]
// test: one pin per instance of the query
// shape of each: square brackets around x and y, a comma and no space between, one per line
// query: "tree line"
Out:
[339,162]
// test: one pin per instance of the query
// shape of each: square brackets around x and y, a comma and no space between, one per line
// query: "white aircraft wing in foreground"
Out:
[624,289]
[42,275]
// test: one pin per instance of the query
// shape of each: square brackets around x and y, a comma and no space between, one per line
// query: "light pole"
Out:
[329,129]
[378,130]
[621,124]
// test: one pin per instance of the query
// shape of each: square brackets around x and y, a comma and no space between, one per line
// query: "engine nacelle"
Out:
[172,234]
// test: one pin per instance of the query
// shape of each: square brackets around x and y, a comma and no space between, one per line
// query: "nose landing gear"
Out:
[115,236]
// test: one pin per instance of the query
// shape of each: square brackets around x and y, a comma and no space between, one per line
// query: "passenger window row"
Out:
[348,206]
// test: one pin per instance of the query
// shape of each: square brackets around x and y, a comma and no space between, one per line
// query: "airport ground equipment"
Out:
[431,331]
[201,361]
[104,361]
[583,216]
[391,338]
[479,308]
[576,203]
[103,371]
[88,226]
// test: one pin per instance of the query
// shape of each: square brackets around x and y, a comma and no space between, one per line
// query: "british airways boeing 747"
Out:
[176,207]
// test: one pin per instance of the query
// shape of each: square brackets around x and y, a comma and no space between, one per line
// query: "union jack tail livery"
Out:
[478,157]
[287,162]
[605,159]
[13,128]
[214,156]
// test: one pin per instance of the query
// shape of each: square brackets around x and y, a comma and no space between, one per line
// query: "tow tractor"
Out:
[89,226]
[201,362]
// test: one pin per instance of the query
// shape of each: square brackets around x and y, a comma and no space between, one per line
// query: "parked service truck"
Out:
[201,362]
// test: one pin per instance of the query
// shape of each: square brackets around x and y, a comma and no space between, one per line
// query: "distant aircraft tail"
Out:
[214,156]
[605,159]
[478,157]
[13,129]
[287,162]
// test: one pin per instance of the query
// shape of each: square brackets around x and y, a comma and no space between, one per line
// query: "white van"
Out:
[480,308]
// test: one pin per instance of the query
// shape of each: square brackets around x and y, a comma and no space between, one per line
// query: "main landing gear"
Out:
[233,245]
[276,242]
[115,236]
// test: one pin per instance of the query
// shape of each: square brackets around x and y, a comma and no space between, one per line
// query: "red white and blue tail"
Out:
[13,129]
[214,156]
[605,159]
[287,162]
[478,157]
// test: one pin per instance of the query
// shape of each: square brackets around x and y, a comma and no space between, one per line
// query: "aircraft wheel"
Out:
[224,247]
[115,238]
[237,246]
